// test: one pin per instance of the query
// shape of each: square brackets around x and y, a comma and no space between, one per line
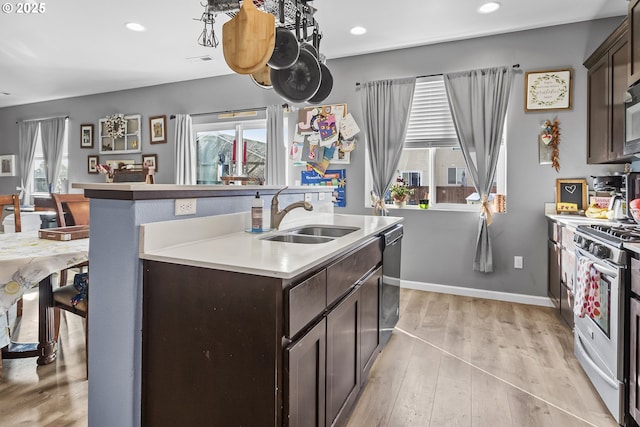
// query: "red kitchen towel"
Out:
[587,302]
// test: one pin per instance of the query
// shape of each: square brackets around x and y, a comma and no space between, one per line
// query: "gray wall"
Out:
[439,246]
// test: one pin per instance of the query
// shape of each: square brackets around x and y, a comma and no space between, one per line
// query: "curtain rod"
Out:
[514,66]
[44,118]
[242,110]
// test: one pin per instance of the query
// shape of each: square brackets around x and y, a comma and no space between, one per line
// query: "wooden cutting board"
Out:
[248,39]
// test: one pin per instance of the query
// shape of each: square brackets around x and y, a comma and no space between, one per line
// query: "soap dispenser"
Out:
[256,214]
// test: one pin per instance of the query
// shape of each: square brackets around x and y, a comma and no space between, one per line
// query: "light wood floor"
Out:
[460,361]
[454,361]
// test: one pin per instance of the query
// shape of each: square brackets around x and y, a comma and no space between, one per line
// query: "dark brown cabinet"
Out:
[634,41]
[343,357]
[227,348]
[607,83]
[554,257]
[634,365]
[306,364]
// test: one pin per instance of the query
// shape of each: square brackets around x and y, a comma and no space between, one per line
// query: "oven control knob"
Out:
[600,251]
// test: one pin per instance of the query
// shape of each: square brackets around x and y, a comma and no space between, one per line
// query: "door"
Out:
[598,111]
[619,54]
[369,337]
[343,357]
[305,360]
[634,389]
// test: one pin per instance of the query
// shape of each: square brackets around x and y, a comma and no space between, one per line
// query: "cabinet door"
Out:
[598,114]
[634,390]
[619,61]
[370,317]
[554,285]
[305,360]
[634,38]
[343,357]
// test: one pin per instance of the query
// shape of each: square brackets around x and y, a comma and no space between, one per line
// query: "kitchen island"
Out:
[115,315]
[233,318]
[115,305]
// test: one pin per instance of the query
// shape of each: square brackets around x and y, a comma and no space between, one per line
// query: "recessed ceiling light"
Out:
[134,26]
[489,7]
[358,31]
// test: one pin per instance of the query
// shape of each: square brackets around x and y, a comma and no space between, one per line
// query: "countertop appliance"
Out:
[632,190]
[601,345]
[632,121]
[389,310]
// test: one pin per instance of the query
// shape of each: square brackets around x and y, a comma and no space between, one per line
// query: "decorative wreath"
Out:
[116,126]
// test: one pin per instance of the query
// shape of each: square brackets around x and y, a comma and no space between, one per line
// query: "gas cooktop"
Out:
[614,234]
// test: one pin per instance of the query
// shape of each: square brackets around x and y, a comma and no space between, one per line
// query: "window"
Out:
[39,172]
[432,163]
[214,150]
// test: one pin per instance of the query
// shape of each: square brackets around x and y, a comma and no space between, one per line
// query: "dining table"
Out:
[27,261]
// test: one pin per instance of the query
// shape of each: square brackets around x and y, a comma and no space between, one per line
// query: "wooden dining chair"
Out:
[72,209]
[12,200]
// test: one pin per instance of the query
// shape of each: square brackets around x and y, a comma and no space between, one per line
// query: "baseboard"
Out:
[477,293]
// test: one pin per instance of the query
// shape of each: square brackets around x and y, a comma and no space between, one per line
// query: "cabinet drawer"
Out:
[342,275]
[635,276]
[306,301]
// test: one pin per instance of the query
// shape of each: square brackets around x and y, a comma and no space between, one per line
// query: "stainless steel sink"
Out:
[297,238]
[323,230]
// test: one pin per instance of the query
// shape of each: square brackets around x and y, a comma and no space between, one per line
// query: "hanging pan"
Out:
[248,39]
[262,78]
[299,82]
[326,83]
[286,50]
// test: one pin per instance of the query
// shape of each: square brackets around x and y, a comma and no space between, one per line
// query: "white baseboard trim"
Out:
[477,293]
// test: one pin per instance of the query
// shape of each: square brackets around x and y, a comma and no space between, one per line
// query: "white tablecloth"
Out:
[25,260]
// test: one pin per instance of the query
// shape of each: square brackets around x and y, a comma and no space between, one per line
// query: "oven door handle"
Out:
[598,263]
[593,365]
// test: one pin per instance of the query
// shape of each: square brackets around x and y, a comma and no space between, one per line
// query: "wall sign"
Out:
[571,195]
[548,90]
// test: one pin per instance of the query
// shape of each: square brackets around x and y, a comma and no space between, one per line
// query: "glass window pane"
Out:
[213,155]
[256,140]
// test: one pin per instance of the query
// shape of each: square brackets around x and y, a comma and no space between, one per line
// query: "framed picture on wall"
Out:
[548,90]
[86,136]
[151,160]
[92,164]
[8,165]
[158,129]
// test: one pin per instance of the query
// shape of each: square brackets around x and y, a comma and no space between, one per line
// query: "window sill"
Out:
[443,207]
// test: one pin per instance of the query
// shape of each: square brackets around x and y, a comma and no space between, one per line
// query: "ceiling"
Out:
[82,47]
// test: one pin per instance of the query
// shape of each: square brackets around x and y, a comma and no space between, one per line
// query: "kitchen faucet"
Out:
[277,216]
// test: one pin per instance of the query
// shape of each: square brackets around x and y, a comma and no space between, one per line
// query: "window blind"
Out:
[430,121]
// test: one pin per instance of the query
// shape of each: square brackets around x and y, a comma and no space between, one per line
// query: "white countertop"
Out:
[571,221]
[221,242]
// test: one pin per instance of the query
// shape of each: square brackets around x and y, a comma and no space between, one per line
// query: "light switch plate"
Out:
[320,196]
[308,197]
[517,262]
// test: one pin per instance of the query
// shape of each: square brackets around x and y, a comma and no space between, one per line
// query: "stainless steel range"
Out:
[601,343]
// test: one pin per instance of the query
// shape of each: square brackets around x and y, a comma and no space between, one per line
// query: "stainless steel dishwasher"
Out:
[390,288]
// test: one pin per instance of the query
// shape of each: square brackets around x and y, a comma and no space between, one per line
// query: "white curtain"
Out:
[386,105]
[27,133]
[185,152]
[52,133]
[276,150]
[478,100]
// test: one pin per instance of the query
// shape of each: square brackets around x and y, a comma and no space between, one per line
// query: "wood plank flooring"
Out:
[453,361]
[460,361]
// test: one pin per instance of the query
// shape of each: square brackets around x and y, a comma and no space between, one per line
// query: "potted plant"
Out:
[400,193]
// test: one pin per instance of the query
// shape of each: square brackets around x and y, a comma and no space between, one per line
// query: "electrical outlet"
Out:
[185,206]
[321,196]
[308,197]
[517,262]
